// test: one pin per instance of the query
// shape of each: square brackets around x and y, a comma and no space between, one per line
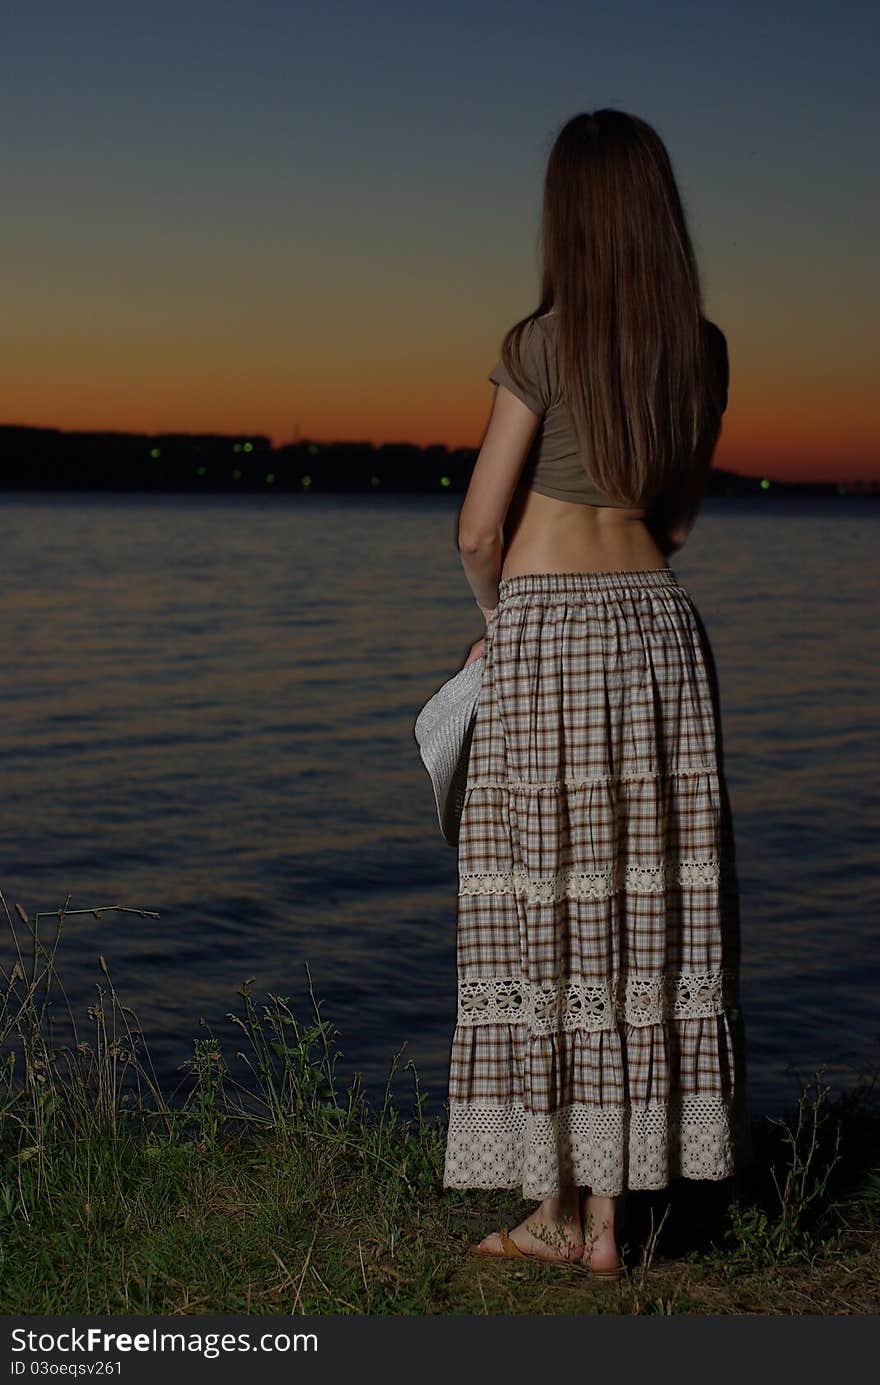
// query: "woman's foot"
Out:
[600,1251]
[552,1232]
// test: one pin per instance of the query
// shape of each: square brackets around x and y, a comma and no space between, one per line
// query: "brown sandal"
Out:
[510,1250]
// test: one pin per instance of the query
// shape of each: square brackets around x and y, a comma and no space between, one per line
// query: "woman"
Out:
[598,1044]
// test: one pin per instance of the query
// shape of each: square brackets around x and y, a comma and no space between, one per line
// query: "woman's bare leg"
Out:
[600,1221]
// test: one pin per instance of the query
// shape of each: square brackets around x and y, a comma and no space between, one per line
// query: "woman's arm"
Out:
[511,429]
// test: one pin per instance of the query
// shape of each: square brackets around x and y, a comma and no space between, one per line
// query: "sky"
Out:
[319,221]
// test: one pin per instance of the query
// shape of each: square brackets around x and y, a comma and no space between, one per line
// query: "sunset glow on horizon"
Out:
[310,229]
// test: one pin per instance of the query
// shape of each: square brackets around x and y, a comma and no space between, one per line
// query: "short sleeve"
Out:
[536,392]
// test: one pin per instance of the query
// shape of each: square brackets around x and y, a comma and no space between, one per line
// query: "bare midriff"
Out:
[542,534]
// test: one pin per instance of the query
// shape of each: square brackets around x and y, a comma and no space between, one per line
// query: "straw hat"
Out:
[443,730]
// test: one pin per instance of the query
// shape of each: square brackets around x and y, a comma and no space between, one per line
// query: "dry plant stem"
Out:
[558,1216]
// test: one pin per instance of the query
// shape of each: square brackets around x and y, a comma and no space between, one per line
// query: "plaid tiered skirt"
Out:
[599,1039]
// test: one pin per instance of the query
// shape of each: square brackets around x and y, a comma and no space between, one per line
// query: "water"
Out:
[207,709]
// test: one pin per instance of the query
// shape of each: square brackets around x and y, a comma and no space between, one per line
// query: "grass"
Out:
[284,1194]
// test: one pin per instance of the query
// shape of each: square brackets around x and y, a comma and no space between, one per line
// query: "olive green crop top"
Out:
[554,465]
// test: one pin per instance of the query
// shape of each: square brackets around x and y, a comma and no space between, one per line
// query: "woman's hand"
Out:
[477,649]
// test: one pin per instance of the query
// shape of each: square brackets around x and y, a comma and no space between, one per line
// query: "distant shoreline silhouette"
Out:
[54,459]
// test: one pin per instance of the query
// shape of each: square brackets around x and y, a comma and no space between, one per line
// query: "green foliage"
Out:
[286,1194]
[790,1225]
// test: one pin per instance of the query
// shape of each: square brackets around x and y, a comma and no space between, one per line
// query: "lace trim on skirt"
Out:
[545,1008]
[491,1145]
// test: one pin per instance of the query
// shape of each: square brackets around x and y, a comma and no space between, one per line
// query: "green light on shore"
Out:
[305,481]
[236,447]
[155,452]
[445,481]
[248,447]
[765,484]
[236,475]
[270,478]
[200,470]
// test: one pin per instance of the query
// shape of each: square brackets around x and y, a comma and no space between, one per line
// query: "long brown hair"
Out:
[634,353]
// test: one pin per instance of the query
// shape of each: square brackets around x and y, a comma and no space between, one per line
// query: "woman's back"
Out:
[557,521]
[542,534]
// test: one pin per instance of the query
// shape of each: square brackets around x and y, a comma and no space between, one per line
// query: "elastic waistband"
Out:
[618,580]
